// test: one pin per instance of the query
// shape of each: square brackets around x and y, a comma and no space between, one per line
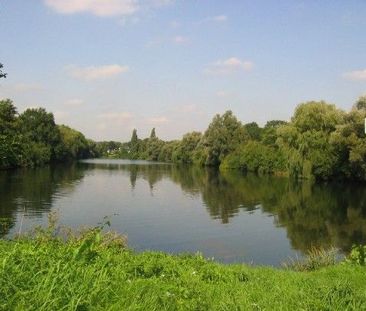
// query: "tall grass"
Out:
[315,258]
[93,270]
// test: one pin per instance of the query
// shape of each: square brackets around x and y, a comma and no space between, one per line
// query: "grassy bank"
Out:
[95,272]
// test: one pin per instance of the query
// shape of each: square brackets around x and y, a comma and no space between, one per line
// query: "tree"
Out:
[224,134]
[134,145]
[153,149]
[74,145]
[134,138]
[269,134]
[185,149]
[2,74]
[10,141]
[8,115]
[41,134]
[153,134]
[361,103]
[253,130]
[318,116]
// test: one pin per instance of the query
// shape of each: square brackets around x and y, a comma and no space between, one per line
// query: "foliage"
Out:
[255,157]
[320,142]
[33,138]
[224,134]
[184,151]
[108,149]
[73,145]
[253,130]
[315,259]
[357,255]
[2,74]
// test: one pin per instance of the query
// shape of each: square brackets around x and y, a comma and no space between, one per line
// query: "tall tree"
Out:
[10,146]
[8,114]
[224,134]
[39,129]
[134,137]
[153,134]
[134,145]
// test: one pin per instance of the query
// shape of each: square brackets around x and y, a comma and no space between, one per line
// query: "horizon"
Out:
[105,68]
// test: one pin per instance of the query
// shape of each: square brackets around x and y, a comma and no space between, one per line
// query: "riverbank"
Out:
[98,272]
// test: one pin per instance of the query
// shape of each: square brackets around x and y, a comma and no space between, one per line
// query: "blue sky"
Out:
[106,67]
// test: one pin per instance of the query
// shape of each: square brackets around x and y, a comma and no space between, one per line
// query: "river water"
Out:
[230,216]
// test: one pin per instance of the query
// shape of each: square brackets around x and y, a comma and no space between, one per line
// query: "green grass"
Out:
[97,272]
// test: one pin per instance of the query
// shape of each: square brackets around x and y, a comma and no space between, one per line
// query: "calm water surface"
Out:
[229,216]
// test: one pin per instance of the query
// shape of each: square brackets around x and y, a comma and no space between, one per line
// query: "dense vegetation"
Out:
[320,141]
[94,271]
[33,138]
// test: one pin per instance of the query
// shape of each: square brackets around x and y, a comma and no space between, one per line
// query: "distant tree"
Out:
[253,130]
[134,145]
[168,150]
[224,134]
[2,74]
[153,134]
[317,116]
[305,141]
[274,123]
[10,141]
[134,138]
[153,149]
[361,103]
[39,129]
[269,134]
[74,145]
[8,114]
[185,148]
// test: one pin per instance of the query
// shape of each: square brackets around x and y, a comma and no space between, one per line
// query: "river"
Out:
[230,216]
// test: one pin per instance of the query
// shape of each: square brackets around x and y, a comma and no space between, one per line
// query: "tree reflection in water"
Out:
[326,214]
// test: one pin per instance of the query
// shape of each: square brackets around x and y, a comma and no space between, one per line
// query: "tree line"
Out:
[32,138]
[320,141]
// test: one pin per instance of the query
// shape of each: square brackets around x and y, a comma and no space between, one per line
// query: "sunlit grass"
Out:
[95,271]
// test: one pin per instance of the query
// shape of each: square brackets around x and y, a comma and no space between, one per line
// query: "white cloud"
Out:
[180,40]
[101,8]
[229,65]
[104,8]
[158,120]
[74,102]
[96,72]
[357,75]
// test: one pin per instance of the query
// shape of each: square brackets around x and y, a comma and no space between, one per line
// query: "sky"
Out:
[105,67]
